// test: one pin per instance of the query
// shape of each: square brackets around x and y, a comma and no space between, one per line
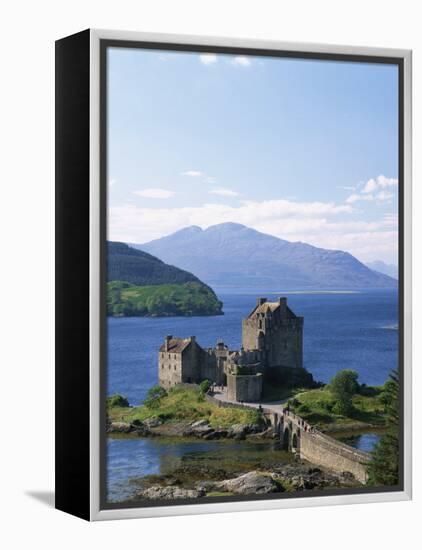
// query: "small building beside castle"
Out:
[272,338]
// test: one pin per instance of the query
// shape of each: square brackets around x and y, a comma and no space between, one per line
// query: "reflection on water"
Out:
[363,441]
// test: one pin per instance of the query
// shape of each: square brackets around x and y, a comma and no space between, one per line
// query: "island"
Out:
[140,284]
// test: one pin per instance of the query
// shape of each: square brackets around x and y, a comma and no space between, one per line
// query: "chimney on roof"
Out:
[261,301]
[167,341]
[192,338]
[283,306]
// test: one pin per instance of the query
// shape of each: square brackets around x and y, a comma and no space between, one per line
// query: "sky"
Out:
[304,150]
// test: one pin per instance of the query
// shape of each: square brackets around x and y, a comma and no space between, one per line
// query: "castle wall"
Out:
[281,341]
[250,331]
[246,388]
[181,367]
[169,369]
[283,344]
[208,365]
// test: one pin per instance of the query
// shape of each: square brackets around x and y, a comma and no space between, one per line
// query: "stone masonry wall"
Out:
[327,452]
[244,387]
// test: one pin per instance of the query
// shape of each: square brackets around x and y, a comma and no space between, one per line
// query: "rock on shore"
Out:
[252,483]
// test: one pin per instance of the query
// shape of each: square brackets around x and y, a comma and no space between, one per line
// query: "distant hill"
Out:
[388,269]
[141,285]
[233,255]
[125,263]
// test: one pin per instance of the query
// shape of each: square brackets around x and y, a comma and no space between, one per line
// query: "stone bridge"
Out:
[297,436]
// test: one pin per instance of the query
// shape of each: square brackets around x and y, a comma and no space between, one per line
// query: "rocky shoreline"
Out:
[281,472]
[198,429]
[300,476]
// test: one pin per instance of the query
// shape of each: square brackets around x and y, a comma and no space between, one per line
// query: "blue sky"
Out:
[304,150]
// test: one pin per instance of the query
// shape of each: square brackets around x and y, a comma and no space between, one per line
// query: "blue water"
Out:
[342,331]
[132,458]
[363,442]
[355,331]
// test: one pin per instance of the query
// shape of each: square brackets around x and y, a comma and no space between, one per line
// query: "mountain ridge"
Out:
[232,254]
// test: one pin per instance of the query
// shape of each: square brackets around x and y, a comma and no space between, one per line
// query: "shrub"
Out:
[303,409]
[116,400]
[204,386]
[368,391]
[154,396]
[342,408]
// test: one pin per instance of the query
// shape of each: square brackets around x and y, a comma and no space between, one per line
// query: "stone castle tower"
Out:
[273,329]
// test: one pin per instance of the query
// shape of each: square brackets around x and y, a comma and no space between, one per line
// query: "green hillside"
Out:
[125,263]
[187,299]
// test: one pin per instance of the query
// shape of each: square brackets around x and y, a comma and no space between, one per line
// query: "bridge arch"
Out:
[286,439]
[296,441]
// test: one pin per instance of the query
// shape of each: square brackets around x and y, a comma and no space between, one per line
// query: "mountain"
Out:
[388,269]
[231,255]
[141,285]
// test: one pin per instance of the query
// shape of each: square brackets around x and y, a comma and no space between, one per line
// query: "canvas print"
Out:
[252,342]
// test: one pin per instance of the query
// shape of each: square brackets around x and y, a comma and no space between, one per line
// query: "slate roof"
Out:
[271,306]
[176,345]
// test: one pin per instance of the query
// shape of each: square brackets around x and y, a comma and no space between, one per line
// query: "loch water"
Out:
[355,331]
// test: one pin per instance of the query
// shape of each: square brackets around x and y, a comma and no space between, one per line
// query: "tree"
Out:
[154,396]
[344,385]
[204,386]
[116,400]
[384,466]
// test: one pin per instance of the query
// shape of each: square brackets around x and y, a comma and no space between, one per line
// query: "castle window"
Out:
[175,356]
[175,367]
[169,356]
[169,367]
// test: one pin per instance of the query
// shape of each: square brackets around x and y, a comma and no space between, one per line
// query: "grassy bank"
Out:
[183,405]
[318,407]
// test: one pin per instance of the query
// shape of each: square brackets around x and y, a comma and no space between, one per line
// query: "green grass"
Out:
[192,298]
[316,406]
[185,405]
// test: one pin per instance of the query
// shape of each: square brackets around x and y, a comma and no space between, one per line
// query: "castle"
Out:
[272,338]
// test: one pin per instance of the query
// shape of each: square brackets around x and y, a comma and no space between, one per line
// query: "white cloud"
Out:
[374,189]
[241,61]
[323,224]
[154,193]
[224,192]
[354,198]
[381,182]
[347,187]
[208,58]
[384,196]
[131,223]
[192,173]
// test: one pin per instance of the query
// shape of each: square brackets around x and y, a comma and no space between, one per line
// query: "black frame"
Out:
[73,489]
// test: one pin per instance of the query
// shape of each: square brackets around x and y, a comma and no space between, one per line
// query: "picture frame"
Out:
[82,229]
